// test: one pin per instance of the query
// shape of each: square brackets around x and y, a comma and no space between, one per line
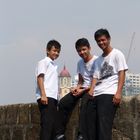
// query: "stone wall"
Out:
[21,121]
[127,121]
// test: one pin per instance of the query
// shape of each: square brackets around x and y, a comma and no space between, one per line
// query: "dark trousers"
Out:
[66,105]
[96,115]
[86,127]
[100,113]
[48,115]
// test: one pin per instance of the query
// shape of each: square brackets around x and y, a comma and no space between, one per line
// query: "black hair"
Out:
[101,32]
[53,43]
[82,42]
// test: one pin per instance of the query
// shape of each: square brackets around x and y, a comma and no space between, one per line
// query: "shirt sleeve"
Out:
[121,62]
[41,68]
[95,70]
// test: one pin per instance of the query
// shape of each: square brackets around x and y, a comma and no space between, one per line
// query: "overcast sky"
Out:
[27,25]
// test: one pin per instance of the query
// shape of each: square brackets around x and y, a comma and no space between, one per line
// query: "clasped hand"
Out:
[77,91]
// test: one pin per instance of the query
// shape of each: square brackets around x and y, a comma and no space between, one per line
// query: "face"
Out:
[103,42]
[53,53]
[84,52]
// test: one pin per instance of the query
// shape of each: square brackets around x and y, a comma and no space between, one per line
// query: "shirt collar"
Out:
[51,61]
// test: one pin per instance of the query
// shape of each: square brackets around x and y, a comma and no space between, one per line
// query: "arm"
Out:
[93,84]
[40,81]
[121,79]
[78,90]
[80,81]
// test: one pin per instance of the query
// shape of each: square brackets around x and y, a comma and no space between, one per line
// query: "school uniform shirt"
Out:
[47,67]
[106,71]
[86,70]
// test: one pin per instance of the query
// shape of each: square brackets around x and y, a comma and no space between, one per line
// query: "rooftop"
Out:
[64,72]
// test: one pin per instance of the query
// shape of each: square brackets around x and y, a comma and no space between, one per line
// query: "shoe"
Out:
[80,137]
[60,137]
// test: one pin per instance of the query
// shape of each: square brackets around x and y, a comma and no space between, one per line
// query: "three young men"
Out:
[100,85]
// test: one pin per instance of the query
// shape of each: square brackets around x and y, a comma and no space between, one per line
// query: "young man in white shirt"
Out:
[47,90]
[107,85]
[68,102]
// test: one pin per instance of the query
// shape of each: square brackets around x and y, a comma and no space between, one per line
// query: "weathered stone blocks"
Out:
[22,121]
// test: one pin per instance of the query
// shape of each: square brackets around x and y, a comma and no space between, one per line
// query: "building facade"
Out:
[64,82]
[132,84]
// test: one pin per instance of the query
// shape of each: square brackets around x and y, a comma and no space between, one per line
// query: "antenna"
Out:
[131,43]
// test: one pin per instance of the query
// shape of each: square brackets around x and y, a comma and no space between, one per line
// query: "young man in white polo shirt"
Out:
[68,102]
[47,90]
[106,87]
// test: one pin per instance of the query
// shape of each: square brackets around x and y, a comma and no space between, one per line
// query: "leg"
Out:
[91,119]
[66,105]
[87,124]
[105,115]
[48,113]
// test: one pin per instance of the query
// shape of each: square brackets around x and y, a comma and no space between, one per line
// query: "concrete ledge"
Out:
[22,121]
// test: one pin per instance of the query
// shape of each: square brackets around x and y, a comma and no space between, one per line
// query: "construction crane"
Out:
[130,48]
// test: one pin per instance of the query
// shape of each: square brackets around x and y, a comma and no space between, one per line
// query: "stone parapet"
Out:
[22,121]
[19,122]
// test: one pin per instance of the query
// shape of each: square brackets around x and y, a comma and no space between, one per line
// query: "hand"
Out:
[90,92]
[44,100]
[77,91]
[117,99]
[73,90]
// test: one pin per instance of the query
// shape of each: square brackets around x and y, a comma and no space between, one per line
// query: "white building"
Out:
[132,84]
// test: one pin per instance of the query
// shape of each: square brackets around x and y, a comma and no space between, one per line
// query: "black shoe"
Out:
[80,137]
[60,137]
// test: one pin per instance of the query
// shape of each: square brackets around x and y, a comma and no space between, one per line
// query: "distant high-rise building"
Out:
[132,84]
